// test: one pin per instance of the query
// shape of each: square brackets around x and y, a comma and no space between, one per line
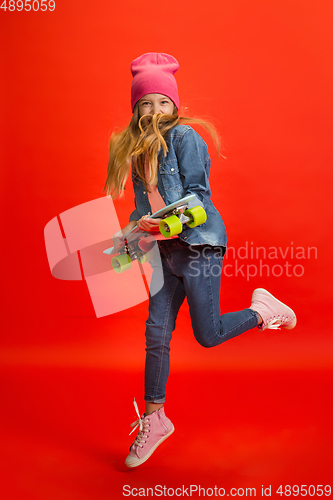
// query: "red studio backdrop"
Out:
[255,412]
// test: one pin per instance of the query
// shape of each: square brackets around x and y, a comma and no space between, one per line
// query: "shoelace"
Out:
[274,323]
[139,423]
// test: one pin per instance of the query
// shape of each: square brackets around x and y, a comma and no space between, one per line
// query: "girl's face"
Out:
[155,103]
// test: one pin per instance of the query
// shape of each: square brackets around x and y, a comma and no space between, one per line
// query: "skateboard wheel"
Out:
[170,226]
[121,263]
[197,214]
[145,257]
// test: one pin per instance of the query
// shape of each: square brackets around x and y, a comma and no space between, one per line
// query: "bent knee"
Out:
[206,342]
[209,340]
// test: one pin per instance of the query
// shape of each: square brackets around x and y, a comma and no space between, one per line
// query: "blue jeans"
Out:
[192,272]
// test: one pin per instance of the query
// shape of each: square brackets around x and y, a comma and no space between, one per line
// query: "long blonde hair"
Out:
[144,136]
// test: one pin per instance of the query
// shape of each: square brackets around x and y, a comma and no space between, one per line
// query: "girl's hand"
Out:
[118,238]
[147,224]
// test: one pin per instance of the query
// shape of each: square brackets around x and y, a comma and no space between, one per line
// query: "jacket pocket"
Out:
[169,173]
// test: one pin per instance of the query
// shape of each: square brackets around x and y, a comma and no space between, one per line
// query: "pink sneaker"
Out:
[273,312]
[154,429]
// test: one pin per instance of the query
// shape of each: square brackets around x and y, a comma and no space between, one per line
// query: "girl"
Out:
[170,160]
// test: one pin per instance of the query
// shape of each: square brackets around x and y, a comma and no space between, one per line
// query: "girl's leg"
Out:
[163,310]
[202,282]
[151,407]
[212,329]
[155,427]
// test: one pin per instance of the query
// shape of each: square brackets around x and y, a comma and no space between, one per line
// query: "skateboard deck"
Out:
[138,244]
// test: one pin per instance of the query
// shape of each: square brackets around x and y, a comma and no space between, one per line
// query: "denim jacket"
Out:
[184,170]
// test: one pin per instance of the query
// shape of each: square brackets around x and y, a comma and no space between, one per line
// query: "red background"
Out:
[260,406]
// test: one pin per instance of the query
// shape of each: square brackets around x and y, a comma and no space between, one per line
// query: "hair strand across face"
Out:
[140,142]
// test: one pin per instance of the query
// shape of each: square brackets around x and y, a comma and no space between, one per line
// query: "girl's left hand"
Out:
[147,224]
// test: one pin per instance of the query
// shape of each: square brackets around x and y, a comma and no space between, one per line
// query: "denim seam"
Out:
[163,338]
[167,162]
[181,138]
[216,329]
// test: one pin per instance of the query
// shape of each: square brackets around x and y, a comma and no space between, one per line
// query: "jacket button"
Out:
[172,169]
[144,192]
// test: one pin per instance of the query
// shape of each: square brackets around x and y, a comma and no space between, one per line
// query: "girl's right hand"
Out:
[118,237]
[147,224]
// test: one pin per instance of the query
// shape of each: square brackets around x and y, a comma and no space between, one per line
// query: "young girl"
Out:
[169,161]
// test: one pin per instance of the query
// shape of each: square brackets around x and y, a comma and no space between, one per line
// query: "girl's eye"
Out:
[145,103]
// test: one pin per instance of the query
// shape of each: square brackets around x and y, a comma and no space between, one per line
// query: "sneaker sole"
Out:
[293,324]
[143,459]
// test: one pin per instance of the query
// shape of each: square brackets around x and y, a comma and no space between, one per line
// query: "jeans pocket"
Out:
[183,243]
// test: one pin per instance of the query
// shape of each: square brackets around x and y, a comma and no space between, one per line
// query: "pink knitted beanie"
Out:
[153,73]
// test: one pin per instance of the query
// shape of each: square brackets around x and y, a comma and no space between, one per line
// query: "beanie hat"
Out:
[153,73]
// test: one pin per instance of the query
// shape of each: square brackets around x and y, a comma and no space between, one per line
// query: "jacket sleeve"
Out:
[193,158]
[134,216]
